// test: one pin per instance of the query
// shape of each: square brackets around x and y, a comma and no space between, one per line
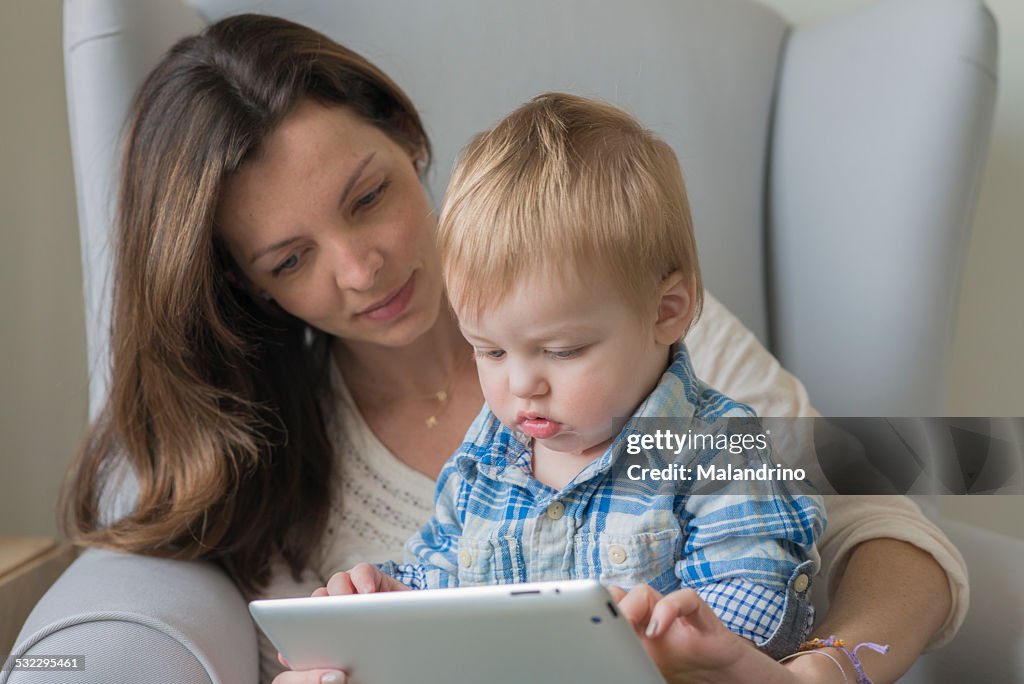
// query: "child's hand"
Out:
[362,579]
[688,642]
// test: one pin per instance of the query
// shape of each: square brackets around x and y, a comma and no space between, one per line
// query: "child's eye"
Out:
[287,265]
[371,197]
[492,354]
[565,353]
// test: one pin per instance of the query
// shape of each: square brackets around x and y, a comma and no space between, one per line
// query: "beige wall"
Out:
[42,351]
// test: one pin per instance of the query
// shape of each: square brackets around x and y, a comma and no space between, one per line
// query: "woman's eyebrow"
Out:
[272,248]
[354,178]
[349,184]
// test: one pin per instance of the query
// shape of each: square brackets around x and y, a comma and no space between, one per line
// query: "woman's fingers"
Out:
[311,677]
[652,614]
[637,606]
[682,604]
[617,592]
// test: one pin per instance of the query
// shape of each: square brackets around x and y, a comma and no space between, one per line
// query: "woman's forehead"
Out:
[305,166]
[314,138]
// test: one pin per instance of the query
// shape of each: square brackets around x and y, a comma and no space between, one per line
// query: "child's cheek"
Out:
[600,396]
[495,389]
[589,402]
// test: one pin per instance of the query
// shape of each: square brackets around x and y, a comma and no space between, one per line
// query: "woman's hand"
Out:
[681,633]
[309,676]
[362,579]
[690,645]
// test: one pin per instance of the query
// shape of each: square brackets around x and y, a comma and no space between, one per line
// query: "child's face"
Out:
[559,360]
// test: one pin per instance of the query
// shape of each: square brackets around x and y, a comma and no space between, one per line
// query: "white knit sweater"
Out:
[383,501]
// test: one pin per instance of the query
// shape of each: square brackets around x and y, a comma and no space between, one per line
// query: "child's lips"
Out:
[538,427]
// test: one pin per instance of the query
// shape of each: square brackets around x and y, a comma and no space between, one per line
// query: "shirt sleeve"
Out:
[431,555]
[744,544]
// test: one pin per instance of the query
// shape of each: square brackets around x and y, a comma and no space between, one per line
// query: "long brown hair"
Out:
[216,399]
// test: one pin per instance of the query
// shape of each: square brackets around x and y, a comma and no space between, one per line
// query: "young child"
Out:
[570,261]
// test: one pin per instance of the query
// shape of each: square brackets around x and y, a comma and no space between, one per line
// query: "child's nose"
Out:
[525,382]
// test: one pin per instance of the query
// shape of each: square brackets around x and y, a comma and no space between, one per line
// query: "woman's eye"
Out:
[371,197]
[286,265]
[565,353]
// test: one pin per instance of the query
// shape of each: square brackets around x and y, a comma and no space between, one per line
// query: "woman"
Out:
[287,379]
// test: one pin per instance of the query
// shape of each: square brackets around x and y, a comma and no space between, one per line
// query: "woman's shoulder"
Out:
[728,357]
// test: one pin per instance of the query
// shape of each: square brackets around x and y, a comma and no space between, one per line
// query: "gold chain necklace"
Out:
[443,396]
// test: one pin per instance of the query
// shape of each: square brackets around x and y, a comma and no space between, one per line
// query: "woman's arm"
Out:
[902,605]
[871,591]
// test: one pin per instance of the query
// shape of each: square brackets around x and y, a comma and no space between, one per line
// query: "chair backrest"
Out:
[880,135]
[701,73]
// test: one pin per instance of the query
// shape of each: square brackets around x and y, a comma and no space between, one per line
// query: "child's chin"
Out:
[562,443]
[573,445]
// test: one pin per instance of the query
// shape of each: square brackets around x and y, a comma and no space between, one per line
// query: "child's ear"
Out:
[676,302]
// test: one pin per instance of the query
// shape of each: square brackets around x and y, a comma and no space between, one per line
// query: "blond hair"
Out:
[565,181]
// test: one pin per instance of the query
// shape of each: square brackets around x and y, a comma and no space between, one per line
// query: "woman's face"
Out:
[332,223]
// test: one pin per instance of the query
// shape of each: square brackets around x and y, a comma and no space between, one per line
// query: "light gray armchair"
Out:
[832,170]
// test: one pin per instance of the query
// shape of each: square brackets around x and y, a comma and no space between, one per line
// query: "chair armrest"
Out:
[139,619]
[990,645]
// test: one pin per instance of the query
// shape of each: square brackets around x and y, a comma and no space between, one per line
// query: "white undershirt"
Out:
[382,502]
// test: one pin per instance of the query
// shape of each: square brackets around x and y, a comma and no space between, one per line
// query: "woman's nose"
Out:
[525,381]
[356,267]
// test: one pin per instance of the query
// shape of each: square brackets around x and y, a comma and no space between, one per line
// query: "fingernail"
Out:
[652,628]
[332,678]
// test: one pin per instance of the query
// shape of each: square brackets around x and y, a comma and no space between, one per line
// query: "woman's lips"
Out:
[539,427]
[392,305]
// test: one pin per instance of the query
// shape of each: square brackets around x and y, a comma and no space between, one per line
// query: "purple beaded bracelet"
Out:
[834,642]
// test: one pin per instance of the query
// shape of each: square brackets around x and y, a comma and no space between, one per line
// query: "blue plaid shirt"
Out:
[739,548]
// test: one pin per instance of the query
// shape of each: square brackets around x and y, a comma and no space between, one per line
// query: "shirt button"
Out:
[801,582]
[617,554]
[465,558]
[556,510]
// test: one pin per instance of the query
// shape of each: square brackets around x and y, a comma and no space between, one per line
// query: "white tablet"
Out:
[557,632]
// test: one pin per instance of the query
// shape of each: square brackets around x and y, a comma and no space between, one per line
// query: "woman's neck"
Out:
[417,369]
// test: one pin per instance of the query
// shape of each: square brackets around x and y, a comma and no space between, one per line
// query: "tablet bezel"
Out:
[538,632]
